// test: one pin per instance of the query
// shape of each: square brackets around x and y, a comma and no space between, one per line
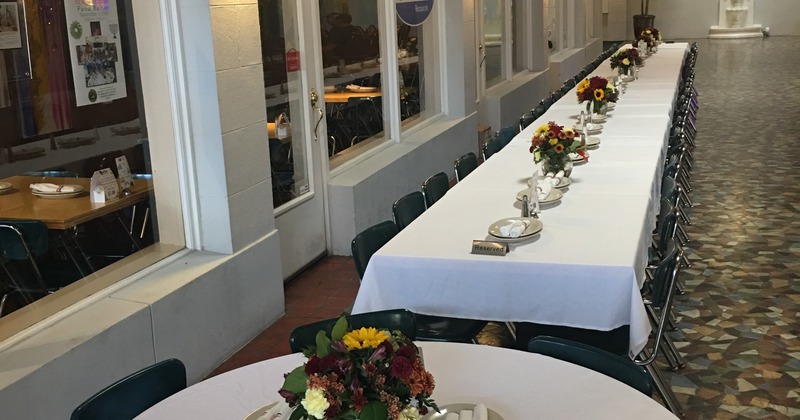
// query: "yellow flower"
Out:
[599,94]
[553,142]
[542,130]
[582,86]
[364,338]
[315,403]
[626,62]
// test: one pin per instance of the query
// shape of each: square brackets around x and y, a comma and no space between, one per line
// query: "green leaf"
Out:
[339,330]
[323,344]
[296,380]
[298,413]
[374,410]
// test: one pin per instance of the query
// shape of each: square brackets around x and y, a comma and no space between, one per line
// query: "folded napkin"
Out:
[45,187]
[465,415]
[554,179]
[280,411]
[452,416]
[480,412]
[543,188]
[513,229]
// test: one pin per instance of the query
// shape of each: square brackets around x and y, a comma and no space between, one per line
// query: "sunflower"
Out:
[626,62]
[559,148]
[553,142]
[542,130]
[364,338]
[599,94]
[583,85]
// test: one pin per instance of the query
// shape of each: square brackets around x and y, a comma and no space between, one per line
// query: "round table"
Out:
[516,384]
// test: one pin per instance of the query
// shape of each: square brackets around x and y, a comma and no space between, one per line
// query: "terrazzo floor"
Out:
[740,316]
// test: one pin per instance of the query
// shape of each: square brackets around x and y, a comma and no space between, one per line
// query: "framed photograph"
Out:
[10,33]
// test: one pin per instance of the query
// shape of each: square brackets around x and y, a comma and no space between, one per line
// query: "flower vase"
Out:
[553,165]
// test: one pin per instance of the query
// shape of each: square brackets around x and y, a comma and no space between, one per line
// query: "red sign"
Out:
[292,60]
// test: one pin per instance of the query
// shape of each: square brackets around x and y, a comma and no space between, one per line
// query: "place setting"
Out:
[55,191]
[5,187]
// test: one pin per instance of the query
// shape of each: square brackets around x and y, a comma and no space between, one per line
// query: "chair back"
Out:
[370,241]
[465,165]
[505,135]
[667,224]
[435,188]
[132,395]
[22,239]
[665,271]
[526,119]
[394,319]
[407,208]
[52,174]
[601,361]
[490,148]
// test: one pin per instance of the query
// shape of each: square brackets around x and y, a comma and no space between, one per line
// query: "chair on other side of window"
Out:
[435,188]
[52,174]
[133,394]
[490,148]
[598,360]
[407,208]
[22,243]
[465,165]
[305,336]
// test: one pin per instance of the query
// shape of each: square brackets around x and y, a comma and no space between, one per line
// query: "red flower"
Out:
[359,400]
[401,367]
[409,352]
[597,83]
[327,362]
[312,366]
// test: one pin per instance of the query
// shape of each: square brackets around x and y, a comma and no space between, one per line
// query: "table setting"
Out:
[392,377]
[585,267]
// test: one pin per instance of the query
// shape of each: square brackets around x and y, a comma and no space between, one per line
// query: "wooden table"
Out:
[60,214]
[342,97]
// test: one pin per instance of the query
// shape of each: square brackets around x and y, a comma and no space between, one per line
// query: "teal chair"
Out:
[505,135]
[601,361]
[52,174]
[435,188]
[23,245]
[407,208]
[369,242]
[465,165]
[490,148]
[428,328]
[394,319]
[132,395]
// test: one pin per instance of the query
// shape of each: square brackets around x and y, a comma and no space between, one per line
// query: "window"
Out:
[70,105]
[418,71]
[493,30]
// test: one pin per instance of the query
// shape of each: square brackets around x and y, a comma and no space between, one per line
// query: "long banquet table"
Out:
[515,384]
[586,267]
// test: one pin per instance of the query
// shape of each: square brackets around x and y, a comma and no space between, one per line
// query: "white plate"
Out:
[23,152]
[356,88]
[555,195]
[456,408]
[597,118]
[577,159]
[76,141]
[592,128]
[534,227]
[4,187]
[565,182]
[59,195]
[592,142]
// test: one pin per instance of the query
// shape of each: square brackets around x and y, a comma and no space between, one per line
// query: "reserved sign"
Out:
[489,248]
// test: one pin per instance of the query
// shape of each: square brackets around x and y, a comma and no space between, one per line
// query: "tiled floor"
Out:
[740,319]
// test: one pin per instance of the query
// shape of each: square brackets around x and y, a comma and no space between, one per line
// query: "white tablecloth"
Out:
[585,268]
[515,384]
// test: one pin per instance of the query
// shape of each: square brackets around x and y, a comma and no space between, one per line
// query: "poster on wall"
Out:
[413,12]
[94,47]
[9,26]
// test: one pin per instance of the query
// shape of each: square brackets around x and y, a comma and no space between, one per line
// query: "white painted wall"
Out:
[681,19]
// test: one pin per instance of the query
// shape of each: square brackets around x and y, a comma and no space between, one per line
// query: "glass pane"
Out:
[419,75]
[518,33]
[282,87]
[494,17]
[351,61]
[551,22]
[70,105]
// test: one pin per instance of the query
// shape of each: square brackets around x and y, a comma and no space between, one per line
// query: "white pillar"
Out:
[735,21]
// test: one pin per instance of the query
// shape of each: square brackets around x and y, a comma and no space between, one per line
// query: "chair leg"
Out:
[512,329]
[665,392]
[680,362]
